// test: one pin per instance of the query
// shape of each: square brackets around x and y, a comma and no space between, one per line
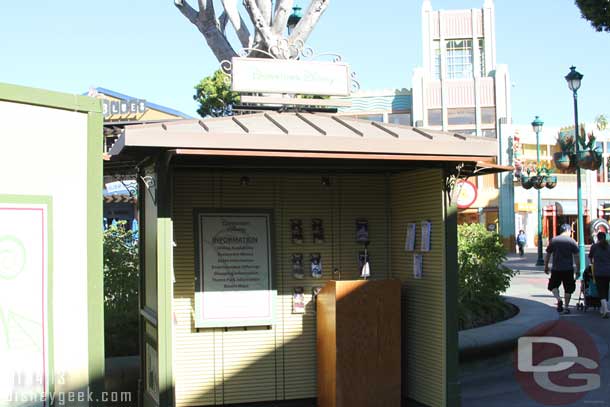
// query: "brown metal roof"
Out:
[303,135]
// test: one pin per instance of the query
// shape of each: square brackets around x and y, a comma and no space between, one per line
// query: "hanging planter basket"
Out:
[551,182]
[562,161]
[539,181]
[587,160]
[526,182]
[598,160]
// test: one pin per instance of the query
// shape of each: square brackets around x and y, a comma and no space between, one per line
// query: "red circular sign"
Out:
[557,363]
[466,193]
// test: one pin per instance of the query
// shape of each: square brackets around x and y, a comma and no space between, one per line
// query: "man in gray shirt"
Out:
[565,254]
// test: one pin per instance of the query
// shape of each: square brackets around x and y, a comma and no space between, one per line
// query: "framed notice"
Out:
[233,278]
[25,289]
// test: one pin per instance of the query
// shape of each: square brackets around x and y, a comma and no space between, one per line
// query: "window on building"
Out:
[459,59]
[461,116]
[482,56]
[400,118]
[488,115]
[437,59]
[491,133]
[435,117]
[371,117]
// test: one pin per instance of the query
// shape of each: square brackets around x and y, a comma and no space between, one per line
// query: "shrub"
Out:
[121,282]
[482,275]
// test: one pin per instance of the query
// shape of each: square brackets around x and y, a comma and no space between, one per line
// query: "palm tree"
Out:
[602,122]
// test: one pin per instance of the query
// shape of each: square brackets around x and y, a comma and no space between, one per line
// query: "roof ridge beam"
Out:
[277,124]
[312,124]
[240,124]
[349,126]
[383,128]
[423,133]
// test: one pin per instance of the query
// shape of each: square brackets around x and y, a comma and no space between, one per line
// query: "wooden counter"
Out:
[358,344]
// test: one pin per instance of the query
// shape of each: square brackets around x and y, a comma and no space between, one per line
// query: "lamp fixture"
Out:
[294,19]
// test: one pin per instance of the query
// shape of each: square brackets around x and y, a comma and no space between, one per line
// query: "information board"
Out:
[233,281]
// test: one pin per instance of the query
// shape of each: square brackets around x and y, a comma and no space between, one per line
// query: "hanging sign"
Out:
[234,270]
[260,75]
[467,194]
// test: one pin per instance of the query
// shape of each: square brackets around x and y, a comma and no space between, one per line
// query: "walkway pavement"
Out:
[490,382]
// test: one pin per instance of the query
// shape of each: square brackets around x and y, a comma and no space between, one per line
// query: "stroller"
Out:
[588,292]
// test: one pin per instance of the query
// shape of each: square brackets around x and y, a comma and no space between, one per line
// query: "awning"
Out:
[309,135]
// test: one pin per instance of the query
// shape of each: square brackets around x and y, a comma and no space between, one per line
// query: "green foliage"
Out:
[567,143]
[121,282]
[601,122]
[214,96]
[597,12]
[482,276]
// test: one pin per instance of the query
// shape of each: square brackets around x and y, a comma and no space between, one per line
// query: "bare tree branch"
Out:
[223,21]
[187,11]
[268,38]
[265,7]
[209,27]
[308,22]
[243,34]
[282,12]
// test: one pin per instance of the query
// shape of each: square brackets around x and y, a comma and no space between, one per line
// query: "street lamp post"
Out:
[574,79]
[294,19]
[537,127]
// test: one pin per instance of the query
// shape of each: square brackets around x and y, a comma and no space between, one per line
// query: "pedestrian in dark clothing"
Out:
[600,262]
[521,241]
[564,251]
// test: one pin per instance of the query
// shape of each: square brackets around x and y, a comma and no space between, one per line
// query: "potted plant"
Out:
[526,182]
[551,181]
[563,159]
[586,157]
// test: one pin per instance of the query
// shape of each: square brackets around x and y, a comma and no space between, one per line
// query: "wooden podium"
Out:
[358,344]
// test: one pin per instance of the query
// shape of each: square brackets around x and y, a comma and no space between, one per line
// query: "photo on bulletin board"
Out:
[316,265]
[296,231]
[418,266]
[314,296]
[297,265]
[410,239]
[298,300]
[362,230]
[317,230]
[425,236]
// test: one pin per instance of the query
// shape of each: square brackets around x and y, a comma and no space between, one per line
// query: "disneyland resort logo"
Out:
[557,363]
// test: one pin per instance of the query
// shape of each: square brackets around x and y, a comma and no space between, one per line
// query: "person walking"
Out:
[599,255]
[521,241]
[564,251]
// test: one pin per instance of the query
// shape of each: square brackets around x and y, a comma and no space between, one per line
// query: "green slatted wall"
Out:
[218,366]
[417,196]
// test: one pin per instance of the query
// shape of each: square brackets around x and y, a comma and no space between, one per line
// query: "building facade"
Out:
[460,88]
[559,205]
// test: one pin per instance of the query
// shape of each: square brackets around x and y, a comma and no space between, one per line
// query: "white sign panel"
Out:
[234,270]
[290,76]
[24,351]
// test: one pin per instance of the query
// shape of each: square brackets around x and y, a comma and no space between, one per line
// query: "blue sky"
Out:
[147,49]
